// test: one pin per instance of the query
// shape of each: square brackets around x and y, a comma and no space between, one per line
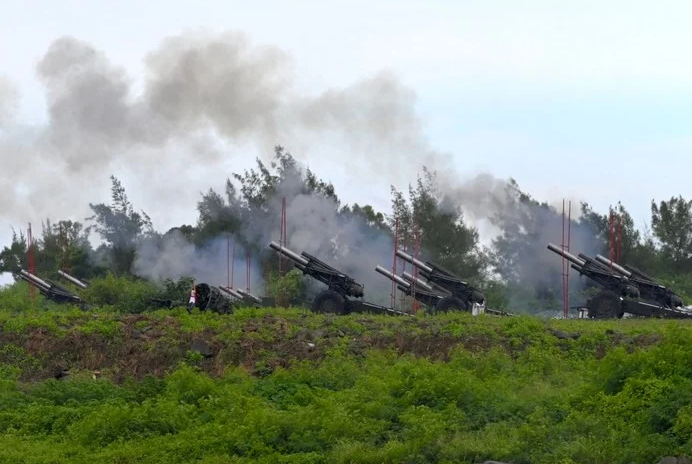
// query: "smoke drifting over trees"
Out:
[202,94]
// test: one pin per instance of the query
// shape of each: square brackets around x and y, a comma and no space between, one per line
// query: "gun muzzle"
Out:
[231,292]
[390,275]
[288,253]
[34,283]
[566,254]
[32,278]
[74,280]
[249,295]
[416,262]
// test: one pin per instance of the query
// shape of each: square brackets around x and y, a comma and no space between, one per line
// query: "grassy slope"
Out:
[289,386]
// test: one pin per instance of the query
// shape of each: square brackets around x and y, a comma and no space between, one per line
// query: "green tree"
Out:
[66,246]
[121,228]
[530,273]
[218,216]
[372,219]
[636,249]
[63,245]
[429,218]
[14,257]
[671,222]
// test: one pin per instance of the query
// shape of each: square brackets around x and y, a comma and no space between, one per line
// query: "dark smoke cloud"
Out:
[199,89]
[173,256]
[313,225]
[496,205]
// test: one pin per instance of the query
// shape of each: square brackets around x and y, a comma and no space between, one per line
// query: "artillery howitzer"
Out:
[625,290]
[413,287]
[648,288]
[341,287]
[207,298]
[211,298]
[50,290]
[457,295]
[425,293]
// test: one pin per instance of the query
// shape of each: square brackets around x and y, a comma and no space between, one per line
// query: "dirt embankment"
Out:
[141,345]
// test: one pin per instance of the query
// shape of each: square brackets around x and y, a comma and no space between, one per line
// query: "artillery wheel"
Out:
[202,296]
[478,297]
[675,301]
[224,307]
[450,303]
[329,301]
[606,305]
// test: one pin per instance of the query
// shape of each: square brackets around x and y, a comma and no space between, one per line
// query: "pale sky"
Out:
[589,100]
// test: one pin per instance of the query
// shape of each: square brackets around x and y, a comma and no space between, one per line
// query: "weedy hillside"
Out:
[289,386]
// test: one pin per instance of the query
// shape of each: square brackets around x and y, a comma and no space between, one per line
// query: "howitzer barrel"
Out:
[231,292]
[34,283]
[416,262]
[605,261]
[403,289]
[74,280]
[636,272]
[416,281]
[393,277]
[288,253]
[566,254]
[250,295]
[35,279]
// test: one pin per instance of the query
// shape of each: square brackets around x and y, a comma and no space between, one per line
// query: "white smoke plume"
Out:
[221,261]
[8,102]
[313,225]
[198,90]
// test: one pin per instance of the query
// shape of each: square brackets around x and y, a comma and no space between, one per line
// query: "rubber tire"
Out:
[202,297]
[226,307]
[675,301]
[329,301]
[451,303]
[606,305]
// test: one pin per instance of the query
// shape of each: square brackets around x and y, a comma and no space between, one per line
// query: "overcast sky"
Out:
[589,100]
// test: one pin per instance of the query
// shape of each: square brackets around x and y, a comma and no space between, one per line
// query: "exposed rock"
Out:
[674,460]
[562,335]
[303,334]
[202,348]
[139,333]
[317,334]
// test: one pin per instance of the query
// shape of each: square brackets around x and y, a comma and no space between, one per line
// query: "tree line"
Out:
[509,269]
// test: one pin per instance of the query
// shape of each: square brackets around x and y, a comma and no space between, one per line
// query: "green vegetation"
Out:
[126,383]
[286,385]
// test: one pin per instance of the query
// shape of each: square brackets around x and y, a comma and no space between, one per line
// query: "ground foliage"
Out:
[286,385]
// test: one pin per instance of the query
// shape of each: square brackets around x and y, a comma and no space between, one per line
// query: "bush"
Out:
[287,288]
[123,294]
